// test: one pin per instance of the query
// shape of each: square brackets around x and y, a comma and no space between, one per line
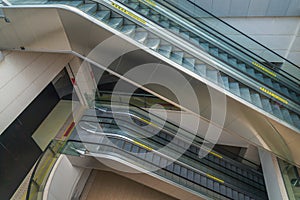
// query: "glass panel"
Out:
[291,178]
[43,169]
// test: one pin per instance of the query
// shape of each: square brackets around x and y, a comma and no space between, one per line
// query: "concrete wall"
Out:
[23,75]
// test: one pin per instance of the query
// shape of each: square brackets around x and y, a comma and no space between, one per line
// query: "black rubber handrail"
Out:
[139,108]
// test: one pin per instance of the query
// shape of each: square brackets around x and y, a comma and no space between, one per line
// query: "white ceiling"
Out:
[227,8]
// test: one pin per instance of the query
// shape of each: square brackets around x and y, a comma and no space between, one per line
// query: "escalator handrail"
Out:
[235,29]
[193,158]
[247,50]
[161,154]
[139,108]
[291,105]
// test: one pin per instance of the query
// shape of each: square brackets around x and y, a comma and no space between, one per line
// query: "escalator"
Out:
[175,171]
[258,85]
[250,83]
[219,167]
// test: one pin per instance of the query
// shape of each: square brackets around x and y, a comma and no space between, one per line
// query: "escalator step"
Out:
[203,180]
[170,167]
[224,56]
[256,100]
[201,70]
[245,94]
[229,192]
[177,57]
[195,40]
[204,46]
[277,111]
[250,175]
[88,7]
[224,82]
[242,67]
[212,75]
[135,149]
[210,184]
[296,119]
[142,153]
[153,43]
[210,157]
[277,87]
[294,96]
[261,181]
[174,29]
[268,81]
[165,50]
[155,18]
[223,163]
[165,24]
[177,169]
[235,195]
[216,187]
[120,144]
[193,149]
[183,172]
[169,137]
[156,159]
[116,22]
[141,37]
[239,171]
[233,62]
[190,175]
[149,156]
[241,196]
[145,11]
[197,178]
[181,143]
[163,162]
[214,51]
[235,88]
[185,35]
[266,105]
[223,190]
[255,178]
[250,71]
[133,5]
[259,77]
[163,135]
[71,3]
[233,168]
[127,146]
[103,15]
[128,29]
[285,91]
[189,63]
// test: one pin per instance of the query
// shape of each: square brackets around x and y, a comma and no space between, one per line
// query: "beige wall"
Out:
[23,75]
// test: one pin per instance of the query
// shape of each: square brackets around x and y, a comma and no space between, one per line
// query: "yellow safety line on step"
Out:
[147,122]
[215,178]
[273,95]
[215,154]
[128,13]
[149,2]
[142,145]
[264,69]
